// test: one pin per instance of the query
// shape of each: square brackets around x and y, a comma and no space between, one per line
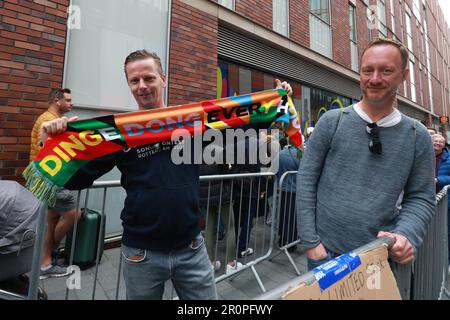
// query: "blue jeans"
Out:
[189,268]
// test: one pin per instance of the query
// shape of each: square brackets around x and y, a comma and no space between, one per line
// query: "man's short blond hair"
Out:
[386,41]
[142,55]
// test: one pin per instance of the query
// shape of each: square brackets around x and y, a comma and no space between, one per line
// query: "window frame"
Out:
[353,37]
[287,18]
[412,80]
[329,53]
[392,13]
[382,26]
[318,17]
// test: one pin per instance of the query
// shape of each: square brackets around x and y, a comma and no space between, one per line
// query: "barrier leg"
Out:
[444,292]
[118,275]
[258,279]
[292,261]
[37,253]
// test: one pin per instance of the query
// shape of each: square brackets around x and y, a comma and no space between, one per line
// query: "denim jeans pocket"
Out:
[134,255]
[197,242]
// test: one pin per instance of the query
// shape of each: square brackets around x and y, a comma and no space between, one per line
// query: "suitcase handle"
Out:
[84,212]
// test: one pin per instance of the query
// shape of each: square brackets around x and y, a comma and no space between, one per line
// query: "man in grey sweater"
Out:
[358,163]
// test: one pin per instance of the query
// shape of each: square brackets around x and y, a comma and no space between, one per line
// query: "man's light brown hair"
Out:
[386,41]
[57,94]
[142,55]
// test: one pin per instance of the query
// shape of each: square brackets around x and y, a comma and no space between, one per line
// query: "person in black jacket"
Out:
[246,194]
[216,205]
[289,160]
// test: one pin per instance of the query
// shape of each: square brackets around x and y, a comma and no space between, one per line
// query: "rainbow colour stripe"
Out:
[64,154]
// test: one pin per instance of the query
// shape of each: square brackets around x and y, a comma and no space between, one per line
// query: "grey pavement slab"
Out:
[242,286]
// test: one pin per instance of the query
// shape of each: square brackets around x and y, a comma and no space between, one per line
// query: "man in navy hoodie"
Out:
[161,237]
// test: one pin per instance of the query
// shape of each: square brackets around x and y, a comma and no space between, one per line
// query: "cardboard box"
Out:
[366,276]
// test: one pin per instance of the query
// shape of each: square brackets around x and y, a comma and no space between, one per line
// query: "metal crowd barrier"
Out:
[309,278]
[243,208]
[260,237]
[286,217]
[105,185]
[33,288]
[430,269]
[40,230]
[37,253]
[423,279]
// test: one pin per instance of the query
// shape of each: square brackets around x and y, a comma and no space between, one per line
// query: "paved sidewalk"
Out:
[273,272]
[244,285]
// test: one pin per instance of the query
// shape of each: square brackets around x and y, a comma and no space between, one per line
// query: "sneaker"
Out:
[269,219]
[233,266]
[247,252]
[54,271]
[215,266]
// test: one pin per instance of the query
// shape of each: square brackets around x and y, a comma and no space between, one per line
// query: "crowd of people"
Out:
[368,152]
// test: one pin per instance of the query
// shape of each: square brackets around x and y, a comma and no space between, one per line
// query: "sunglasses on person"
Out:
[374,135]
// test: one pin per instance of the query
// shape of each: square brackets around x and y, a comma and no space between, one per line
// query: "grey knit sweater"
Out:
[346,194]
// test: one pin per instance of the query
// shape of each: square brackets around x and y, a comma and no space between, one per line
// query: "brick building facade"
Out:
[218,48]
[32,46]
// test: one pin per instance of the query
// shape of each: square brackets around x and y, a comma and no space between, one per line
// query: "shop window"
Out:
[311,103]
[323,101]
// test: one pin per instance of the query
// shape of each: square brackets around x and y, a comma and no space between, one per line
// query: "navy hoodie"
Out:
[161,209]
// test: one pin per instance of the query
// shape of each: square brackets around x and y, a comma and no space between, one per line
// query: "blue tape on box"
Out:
[334,270]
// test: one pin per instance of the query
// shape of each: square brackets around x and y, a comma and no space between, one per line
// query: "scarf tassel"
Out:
[40,186]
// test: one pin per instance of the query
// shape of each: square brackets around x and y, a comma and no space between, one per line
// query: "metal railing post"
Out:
[37,252]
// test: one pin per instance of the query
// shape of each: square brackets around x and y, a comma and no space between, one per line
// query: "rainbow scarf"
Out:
[64,154]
